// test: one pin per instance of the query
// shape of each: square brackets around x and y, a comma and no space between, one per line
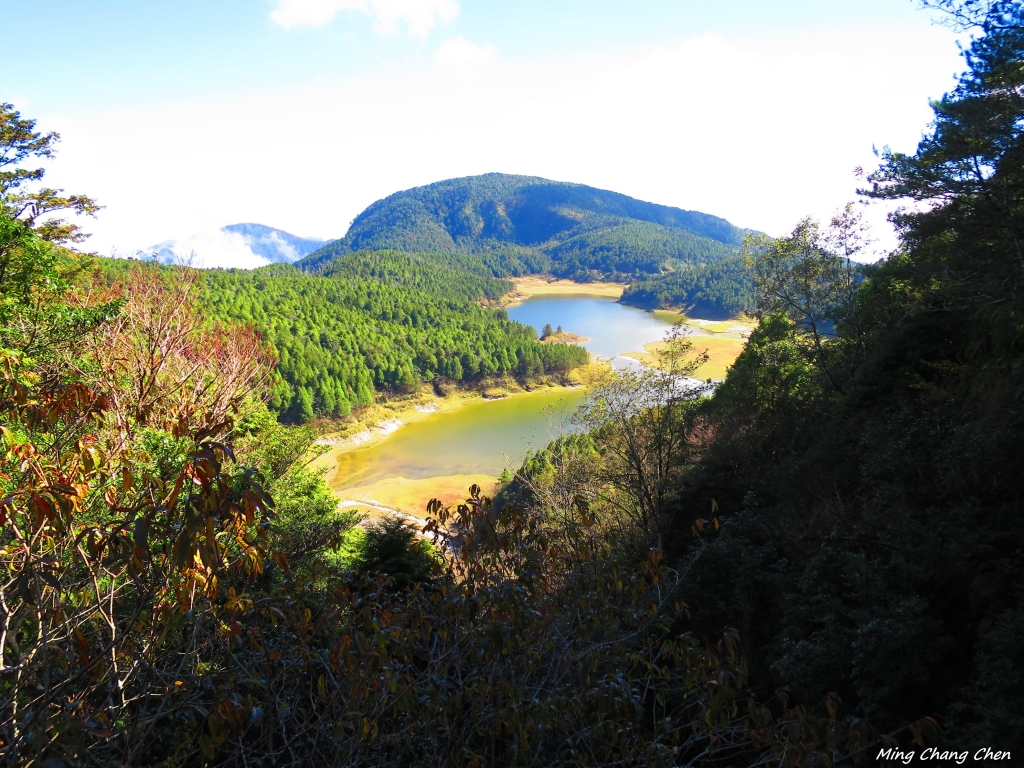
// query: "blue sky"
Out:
[185,115]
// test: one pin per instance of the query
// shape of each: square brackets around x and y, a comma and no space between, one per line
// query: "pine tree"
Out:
[304,405]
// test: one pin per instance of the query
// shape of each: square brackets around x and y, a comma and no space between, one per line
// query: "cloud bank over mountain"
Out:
[239,246]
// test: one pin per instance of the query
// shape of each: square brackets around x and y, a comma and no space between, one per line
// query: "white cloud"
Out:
[460,52]
[418,16]
[314,13]
[214,248]
[285,249]
[759,131]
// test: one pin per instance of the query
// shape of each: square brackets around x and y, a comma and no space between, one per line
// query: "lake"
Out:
[611,328]
[486,437]
[483,437]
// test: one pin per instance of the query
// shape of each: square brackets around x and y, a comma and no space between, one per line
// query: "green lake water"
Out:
[488,436]
[482,437]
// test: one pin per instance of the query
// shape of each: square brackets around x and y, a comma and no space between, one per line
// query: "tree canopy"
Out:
[20,142]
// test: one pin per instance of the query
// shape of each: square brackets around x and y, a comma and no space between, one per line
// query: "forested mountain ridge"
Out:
[526,224]
[371,323]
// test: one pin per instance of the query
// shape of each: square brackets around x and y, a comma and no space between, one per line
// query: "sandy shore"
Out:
[538,285]
[724,342]
[722,352]
[410,496]
[736,327]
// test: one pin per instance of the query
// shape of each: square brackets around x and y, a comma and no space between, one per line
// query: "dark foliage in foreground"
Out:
[871,476]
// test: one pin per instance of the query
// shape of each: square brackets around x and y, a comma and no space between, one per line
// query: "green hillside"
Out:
[525,224]
[378,322]
[374,323]
[714,291]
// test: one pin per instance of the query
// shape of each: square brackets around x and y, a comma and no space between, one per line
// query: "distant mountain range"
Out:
[244,246]
[524,224]
[502,225]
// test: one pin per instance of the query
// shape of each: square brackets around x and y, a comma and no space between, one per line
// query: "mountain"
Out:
[244,246]
[526,224]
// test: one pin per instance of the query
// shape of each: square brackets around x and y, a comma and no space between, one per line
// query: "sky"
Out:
[182,116]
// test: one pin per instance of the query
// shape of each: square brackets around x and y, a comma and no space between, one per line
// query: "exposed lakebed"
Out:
[478,440]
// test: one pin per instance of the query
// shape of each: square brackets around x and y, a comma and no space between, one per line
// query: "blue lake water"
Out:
[611,328]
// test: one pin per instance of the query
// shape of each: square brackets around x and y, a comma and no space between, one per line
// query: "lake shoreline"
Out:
[378,434]
[370,493]
[409,496]
[382,420]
